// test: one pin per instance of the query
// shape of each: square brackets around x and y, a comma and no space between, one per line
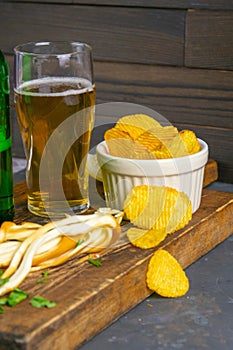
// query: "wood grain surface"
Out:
[116,34]
[209,39]
[172,56]
[186,4]
[89,298]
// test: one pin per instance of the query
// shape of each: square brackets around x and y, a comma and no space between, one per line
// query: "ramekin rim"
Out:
[147,161]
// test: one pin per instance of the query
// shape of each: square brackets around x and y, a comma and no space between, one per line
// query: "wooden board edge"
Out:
[120,300]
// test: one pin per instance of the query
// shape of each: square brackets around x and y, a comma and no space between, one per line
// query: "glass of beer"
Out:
[55,106]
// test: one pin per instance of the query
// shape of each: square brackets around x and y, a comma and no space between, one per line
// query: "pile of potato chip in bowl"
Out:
[138,150]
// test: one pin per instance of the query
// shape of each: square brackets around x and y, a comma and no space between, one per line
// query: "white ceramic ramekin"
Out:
[120,175]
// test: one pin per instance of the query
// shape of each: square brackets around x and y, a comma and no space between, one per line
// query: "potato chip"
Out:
[165,133]
[127,148]
[165,275]
[122,144]
[149,139]
[132,126]
[119,143]
[157,138]
[115,133]
[157,207]
[139,151]
[176,147]
[181,215]
[136,124]
[161,153]
[123,148]
[190,140]
[172,145]
[143,205]
[145,239]
[133,131]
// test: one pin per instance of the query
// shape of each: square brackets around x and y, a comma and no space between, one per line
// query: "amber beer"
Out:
[42,105]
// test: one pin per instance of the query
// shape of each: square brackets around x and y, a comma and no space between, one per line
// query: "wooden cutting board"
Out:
[90,298]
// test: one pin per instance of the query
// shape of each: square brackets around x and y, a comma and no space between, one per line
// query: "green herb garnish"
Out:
[16,297]
[3,281]
[3,301]
[79,242]
[13,299]
[96,262]
[39,302]
[45,275]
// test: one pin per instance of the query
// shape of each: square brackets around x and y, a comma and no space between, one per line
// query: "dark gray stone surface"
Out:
[203,319]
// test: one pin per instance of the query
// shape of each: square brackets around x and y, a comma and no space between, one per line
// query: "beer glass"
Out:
[55,104]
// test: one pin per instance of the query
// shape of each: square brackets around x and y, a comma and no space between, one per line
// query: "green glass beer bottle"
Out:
[6,174]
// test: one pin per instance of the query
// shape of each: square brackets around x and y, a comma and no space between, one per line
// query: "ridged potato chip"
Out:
[122,146]
[119,142]
[158,208]
[131,127]
[149,139]
[176,147]
[165,133]
[115,133]
[140,207]
[128,148]
[140,123]
[165,275]
[123,143]
[133,131]
[190,140]
[145,239]
[161,153]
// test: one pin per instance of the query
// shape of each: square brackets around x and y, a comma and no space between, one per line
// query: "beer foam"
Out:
[79,86]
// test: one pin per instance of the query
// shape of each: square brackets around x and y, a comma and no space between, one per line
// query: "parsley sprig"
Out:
[38,302]
[96,262]
[18,295]
[3,280]
[14,298]
[44,274]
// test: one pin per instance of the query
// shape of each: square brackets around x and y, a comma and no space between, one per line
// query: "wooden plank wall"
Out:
[173,56]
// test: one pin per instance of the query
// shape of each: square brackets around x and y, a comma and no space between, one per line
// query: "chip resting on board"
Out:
[145,239]
[165,275]
[157,208]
